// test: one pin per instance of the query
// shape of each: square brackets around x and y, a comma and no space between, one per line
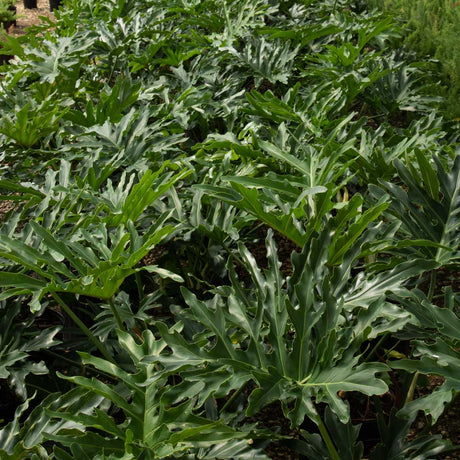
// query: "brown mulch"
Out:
[5,207]
[448,426]
[29,17]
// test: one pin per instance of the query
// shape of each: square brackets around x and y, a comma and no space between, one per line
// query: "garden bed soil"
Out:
[30,17]
[5,207]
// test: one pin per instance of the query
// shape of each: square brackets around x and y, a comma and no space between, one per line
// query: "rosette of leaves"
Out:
[351,67]
[143,421]
[436,351]
[299,339]
[395,445]
[400,89]
[23,437]
[18,341]
[427,208]
[65,250]
[294,205]
[32,125]
[102,249]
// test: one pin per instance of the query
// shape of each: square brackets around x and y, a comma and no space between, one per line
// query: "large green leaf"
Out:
[291,337]
[437,330]
[438,358]
[23,438]
[429,206]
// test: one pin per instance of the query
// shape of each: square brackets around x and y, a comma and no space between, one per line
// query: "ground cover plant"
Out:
[214,210]
[432,30]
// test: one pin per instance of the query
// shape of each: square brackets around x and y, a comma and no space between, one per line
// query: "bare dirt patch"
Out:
[29,17]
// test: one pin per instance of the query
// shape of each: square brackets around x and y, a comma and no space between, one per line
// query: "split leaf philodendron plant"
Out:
[228,230]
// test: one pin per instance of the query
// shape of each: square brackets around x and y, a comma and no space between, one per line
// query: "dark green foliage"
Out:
[433,29]
[211,207]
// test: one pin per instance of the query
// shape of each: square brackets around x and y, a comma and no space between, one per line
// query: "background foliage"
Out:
[433,30]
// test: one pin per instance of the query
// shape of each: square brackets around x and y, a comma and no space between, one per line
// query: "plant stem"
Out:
[116,315]
[31,385]
[83,327]
[140,290]
[387,352]
[327,439]
[232,398]
[231,254]
[80,364]
[64,358]
[411,390]
[432,285]
[376,347]
[380,415]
